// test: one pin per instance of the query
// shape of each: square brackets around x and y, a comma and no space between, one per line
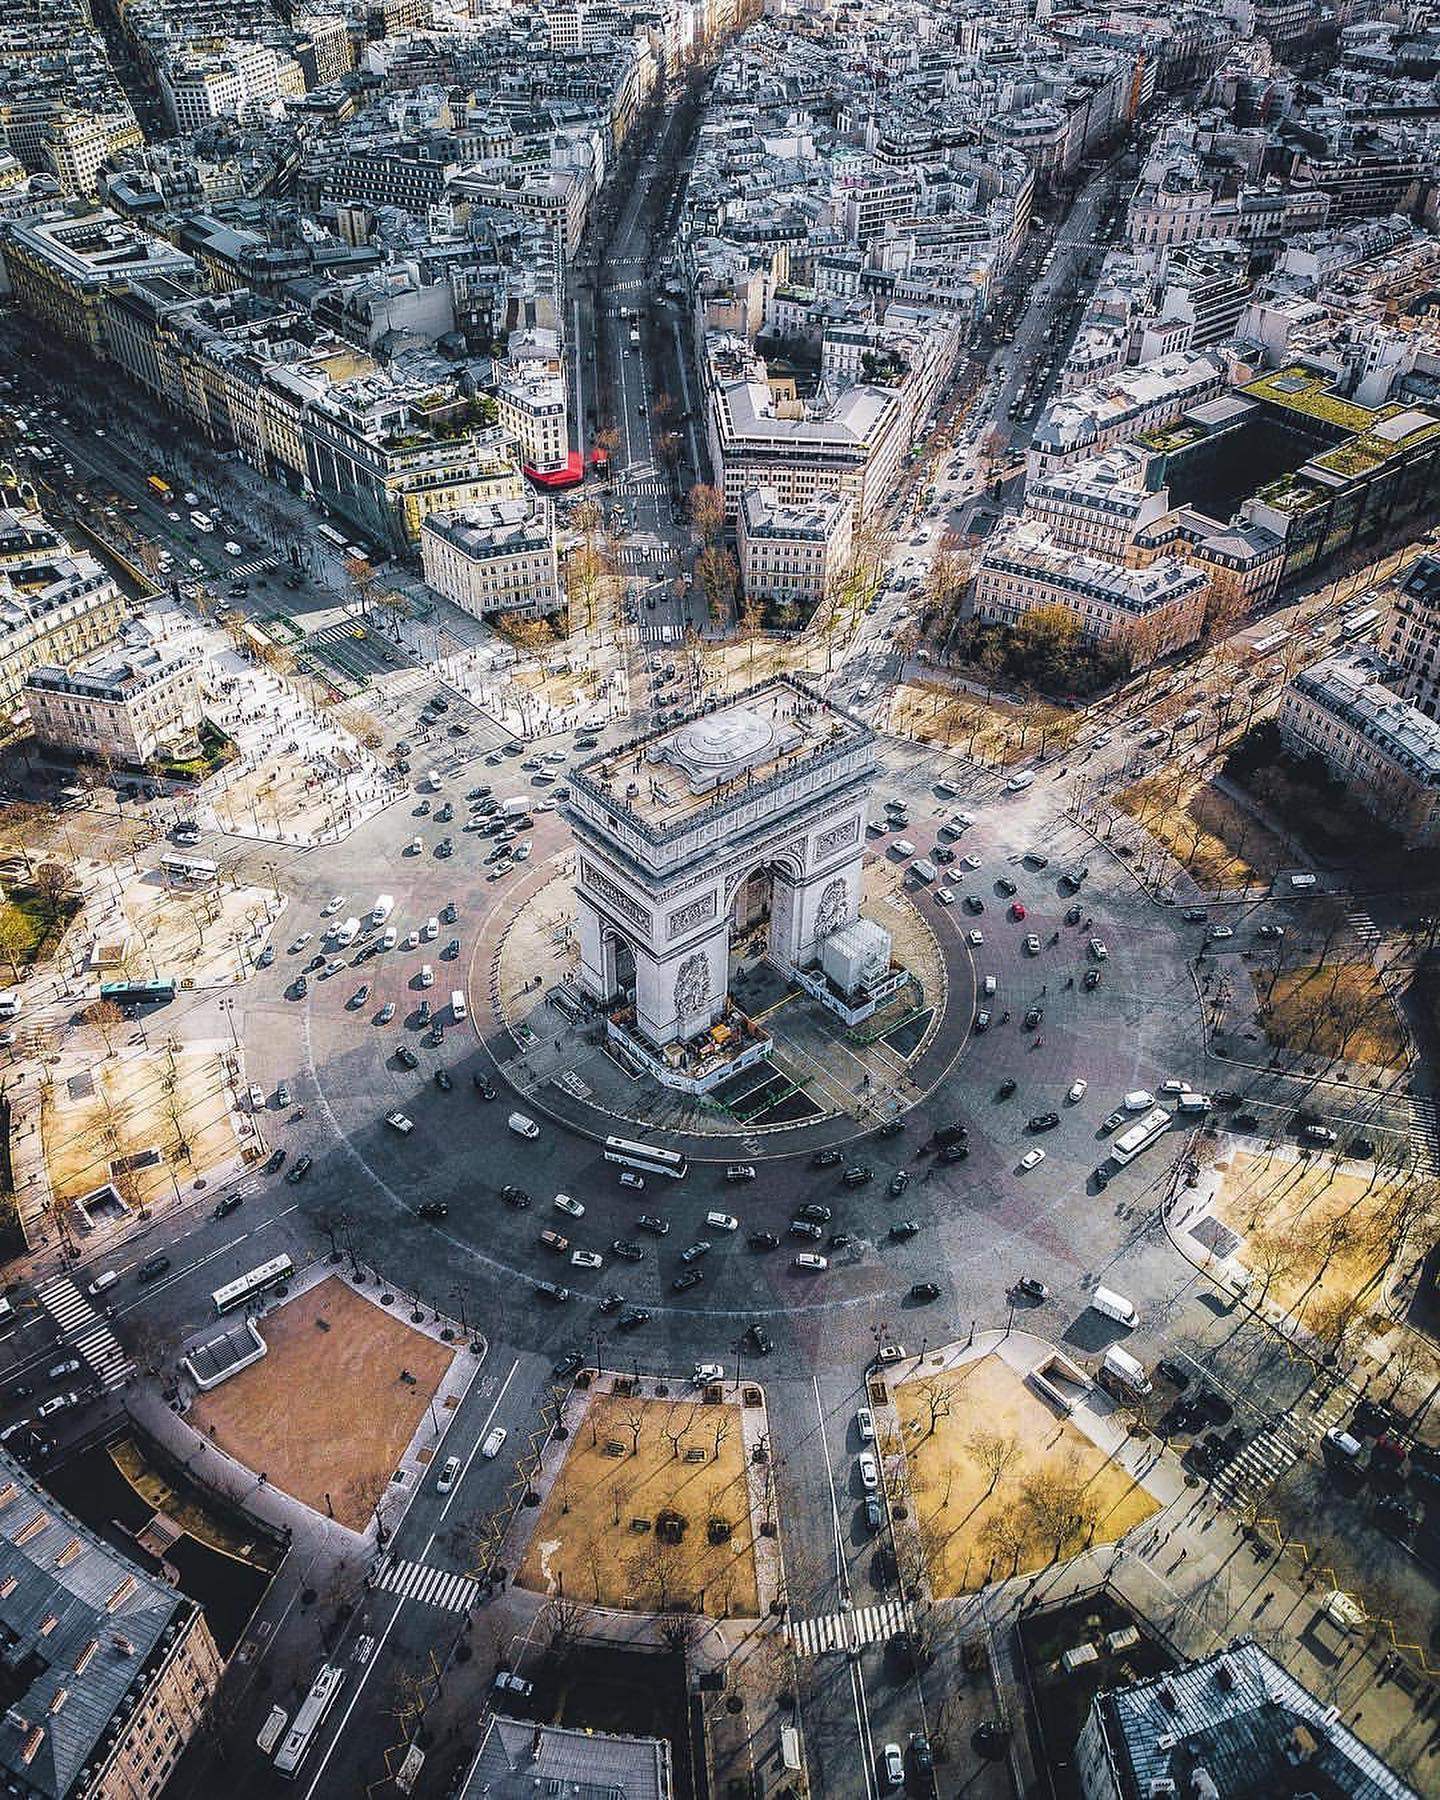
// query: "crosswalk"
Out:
[252,565]
[1425,1132]
[1271,1453]
[1363,928]
[431,1587]
[94,1340]
[847,1630]
[646,484]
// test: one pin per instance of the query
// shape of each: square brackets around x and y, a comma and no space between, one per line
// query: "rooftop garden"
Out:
[1299,391]
[1165,440]
[1289,493]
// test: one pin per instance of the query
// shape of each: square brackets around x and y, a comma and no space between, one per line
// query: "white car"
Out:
[491,1446]
[412,940]
[335,965]
[975,938]
[892,1765]
[399,1122]
[232,548]
[415,846]
[1217,932]
[811,1263]
[575,1208]
[587,1259]
[386,1013]
[869,1471]
[300,942]
[1174,1086]
[944,896]
[970,862]
[1138,1100]
[256,1097]
[704,1372]
[332,905]
[446,1478]
[1032,944]
[1098,950]
[1076,1090]
[865,1425]
[390,939]
[1032,1158]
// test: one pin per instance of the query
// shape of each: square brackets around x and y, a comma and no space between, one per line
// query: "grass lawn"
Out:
[35,928]
[1216,840]
[1340,1011]
[325,1412]
[1053,1491]
[597,1532]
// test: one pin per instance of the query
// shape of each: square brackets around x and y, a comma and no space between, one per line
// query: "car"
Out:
[809,1262]
[629,1179]
[815,1213]
[693,1252]
[869,1470]
[874,1513]
[1034,1017]
[492,1444]
[762,1240]
[356,1000]
[759,1339]
[332,905]
[706,1372]
[900,1229]
[1046,1121]
[1073,915]
[865,1425]
[826,1159]
[892,1766]
[1005,886]
[688,1278]
[611,1303]
[1076,1090]
[443,1081]
[944,896]
[266,957]
[899,1181]
[406,1057]
[155,1266]
[433,1209]
[301,941]
[1032,1288]
[300,1168]
[587,1259]
[399,1121]
[60,1403]
[632,1320]
[1032,944]
[1173,1372]
[857,1175]
[626,1251]
[445,1480]
[1098,950]
[924,1290]
[1174,1085]
[1317,1134]
[70,1366]
[652,1222]
[1195,915]
[973,903]
[334,966]
[1217,933]
[554,1240]
[1006,1088]
[1271,932]
[1092,978]
[1032,1159]
[970,862]
[1017,912]
[805,1228]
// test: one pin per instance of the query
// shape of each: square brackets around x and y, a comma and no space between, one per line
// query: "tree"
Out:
[995,1451]
[939,1402]
[719,578]
[633,1419]
[15,939]
[54,888]
[107,1019]
[707,511]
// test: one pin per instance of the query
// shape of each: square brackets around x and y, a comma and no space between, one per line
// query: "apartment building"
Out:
[1413,647]
[532,411]
[108,1670]
[119,706]
[57,605]
[1122,406]
[494,559]
[1377,742]
[1098,505]
[793,555]
[1147,611]
[62,267]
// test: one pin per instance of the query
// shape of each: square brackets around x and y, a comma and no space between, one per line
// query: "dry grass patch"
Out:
[326,1413]
[1340,1011]
[1001,1486]
[97,1122]
[602,1531]
[990,731]
[1216,840]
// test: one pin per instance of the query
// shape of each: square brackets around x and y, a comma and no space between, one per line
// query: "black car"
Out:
[1246,1121]
[567,1366]
[611,1303]
[152,1268]
[1033,1017]
[1046,1121]
[22,1390]
[760,1340]
[649,1222]
[632,1320]
[1360,1148]
[406,1056]
[443,1081]
[901,1229]
[1195,915]
[514,1196]
[693,1252]
[433,1209]
[899,1181]
[272,1162]
[688,1278]
[762,1240]
[1371,1418]
[874,1512]
[1396,1515]
[484,1087]
[1173,1372]
[1073,915]
[1006,886]
[949,1134]
[626,1251]
[974,904]
[805,1228]
[953,1153]
[942,853]
[1006,1088]
[924,1290]
[825,1159]
[891,1128]
[300,1168]
[820,1215]
[230,1202]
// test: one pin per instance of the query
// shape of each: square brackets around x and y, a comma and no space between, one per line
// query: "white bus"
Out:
[1140,1136]
[648,1158]
[331,535]
[1356,624]
[1273,640]
[245,1287]
[197,870]
[309,1719]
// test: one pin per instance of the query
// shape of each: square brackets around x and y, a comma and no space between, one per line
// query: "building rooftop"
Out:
[518,1760]
[1355,687]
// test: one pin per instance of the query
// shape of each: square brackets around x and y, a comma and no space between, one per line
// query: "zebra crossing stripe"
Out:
[65,1303]
[431,1587]
[101,1349]
[842,1630]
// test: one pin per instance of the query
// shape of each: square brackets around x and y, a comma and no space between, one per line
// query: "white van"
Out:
[1339,1442]
[427,975]
[1193,1103]
[1114,1306]
[515,807]
[1302,881]
[102,1283]
[903,847]
[523,1126]
[924,870]
[1018,783]
[347,933]
[457,1005]
[382,909]
[1121,1367]
[432,781]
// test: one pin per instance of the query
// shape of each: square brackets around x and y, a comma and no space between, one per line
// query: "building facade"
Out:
[494,559]
[122,708]
[793,555]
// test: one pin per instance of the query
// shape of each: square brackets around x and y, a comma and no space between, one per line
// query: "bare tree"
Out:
[995,1451]
[939,1401]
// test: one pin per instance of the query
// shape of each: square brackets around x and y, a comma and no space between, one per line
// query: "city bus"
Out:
[1139,1136]
[160,488]
[331,535]
[195,869]
[1356,624]
[245,1287]
[138,993]
[308,1720]
[647,1158]
[1272,641]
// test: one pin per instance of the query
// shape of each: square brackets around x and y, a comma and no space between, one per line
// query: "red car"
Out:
[1017,911]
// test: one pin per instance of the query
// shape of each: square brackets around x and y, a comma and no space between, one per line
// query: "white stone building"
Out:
[793,555]
[494,559]
[121,706]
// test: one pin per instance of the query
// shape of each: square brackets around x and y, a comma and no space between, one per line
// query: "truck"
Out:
[515,807]
[347,933]
[1114,1306]
[382,909]
[1120,1370]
